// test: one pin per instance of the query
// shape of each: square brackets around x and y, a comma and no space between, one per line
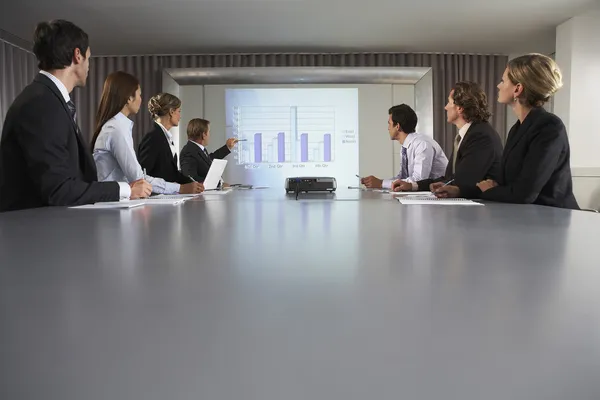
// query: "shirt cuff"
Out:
[172,188]
[415,187]
[387,184]
[124,190]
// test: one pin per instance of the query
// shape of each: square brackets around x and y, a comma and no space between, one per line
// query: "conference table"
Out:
[257,295]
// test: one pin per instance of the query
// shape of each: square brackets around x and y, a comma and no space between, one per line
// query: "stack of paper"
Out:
[124,204]
[425,193]
[216,192]
[154,201]
[176,196]
[431,199]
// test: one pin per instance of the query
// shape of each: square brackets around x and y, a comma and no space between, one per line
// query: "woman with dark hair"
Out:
[112,143]
[535,163]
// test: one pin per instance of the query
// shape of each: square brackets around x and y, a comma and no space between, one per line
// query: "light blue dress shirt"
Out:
[116,160]
[426,159]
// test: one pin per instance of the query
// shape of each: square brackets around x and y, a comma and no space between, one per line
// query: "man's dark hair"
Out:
[405,117]
[473,101]
[54,44]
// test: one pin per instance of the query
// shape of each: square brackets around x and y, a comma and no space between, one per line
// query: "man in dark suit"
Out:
[43,158]
[477,147]
[195,158]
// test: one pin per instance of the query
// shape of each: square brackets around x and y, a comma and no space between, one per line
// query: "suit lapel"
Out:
[204,157]
[465,140]
[519,131]
[167,144]
[86,162]
[44,80]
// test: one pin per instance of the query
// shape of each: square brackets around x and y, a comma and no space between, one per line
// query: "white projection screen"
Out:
[311,128]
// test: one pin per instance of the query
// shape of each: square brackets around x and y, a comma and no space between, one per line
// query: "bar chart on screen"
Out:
[284,134]
[287,132]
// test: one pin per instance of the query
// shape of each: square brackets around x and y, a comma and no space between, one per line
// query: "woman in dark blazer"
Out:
[156,153]
[535,166]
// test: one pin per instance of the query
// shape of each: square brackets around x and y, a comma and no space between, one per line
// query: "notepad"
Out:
[124,204]
[176,196]
[216,192]
[428,200]
[424,193]
[154,201]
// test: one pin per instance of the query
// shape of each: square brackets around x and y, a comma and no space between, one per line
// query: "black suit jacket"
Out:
[478,158]
[195,163]
[154,154]
[535,165]
[43,159]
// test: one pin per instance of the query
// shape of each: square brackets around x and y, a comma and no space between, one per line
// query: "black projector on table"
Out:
[310,184]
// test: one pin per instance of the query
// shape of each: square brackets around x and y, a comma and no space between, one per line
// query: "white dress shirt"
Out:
[426,160]
[124,189]
[115,158]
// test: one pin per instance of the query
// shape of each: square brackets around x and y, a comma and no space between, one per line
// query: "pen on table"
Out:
[242,140]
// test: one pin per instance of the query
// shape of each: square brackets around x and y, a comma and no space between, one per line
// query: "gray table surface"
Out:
[257,296]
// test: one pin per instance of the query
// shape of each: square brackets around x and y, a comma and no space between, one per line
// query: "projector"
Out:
[310,184]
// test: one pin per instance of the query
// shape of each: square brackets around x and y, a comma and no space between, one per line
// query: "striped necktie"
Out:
[404,170]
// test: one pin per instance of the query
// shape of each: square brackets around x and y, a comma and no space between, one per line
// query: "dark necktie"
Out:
[73,113]
[72,109]
[207,156]
[404,170]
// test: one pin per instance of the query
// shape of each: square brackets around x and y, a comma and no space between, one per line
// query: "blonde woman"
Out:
[535,163]
[156,152]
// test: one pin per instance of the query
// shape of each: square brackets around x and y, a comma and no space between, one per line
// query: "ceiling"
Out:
[201,26]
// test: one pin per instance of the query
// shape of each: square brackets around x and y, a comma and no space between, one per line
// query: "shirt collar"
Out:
[169,135]
[122,119]
[198,144]
[61,86]
[463,131]
[409,139]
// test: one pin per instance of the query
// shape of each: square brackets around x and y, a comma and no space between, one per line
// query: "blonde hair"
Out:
[197,128]
[539,75]
[161,104]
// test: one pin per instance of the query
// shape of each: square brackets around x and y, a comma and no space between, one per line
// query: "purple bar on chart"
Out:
[257,147]
[281,147]
[327,149]
[304,147]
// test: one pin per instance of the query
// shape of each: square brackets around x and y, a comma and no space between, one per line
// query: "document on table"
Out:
[123,204]
[431,199]
[424,193]
[369,189]
[216,192]
[176,196]
[155,201]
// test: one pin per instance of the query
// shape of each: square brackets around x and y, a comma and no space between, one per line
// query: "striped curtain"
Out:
[18,67]
[447,70]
